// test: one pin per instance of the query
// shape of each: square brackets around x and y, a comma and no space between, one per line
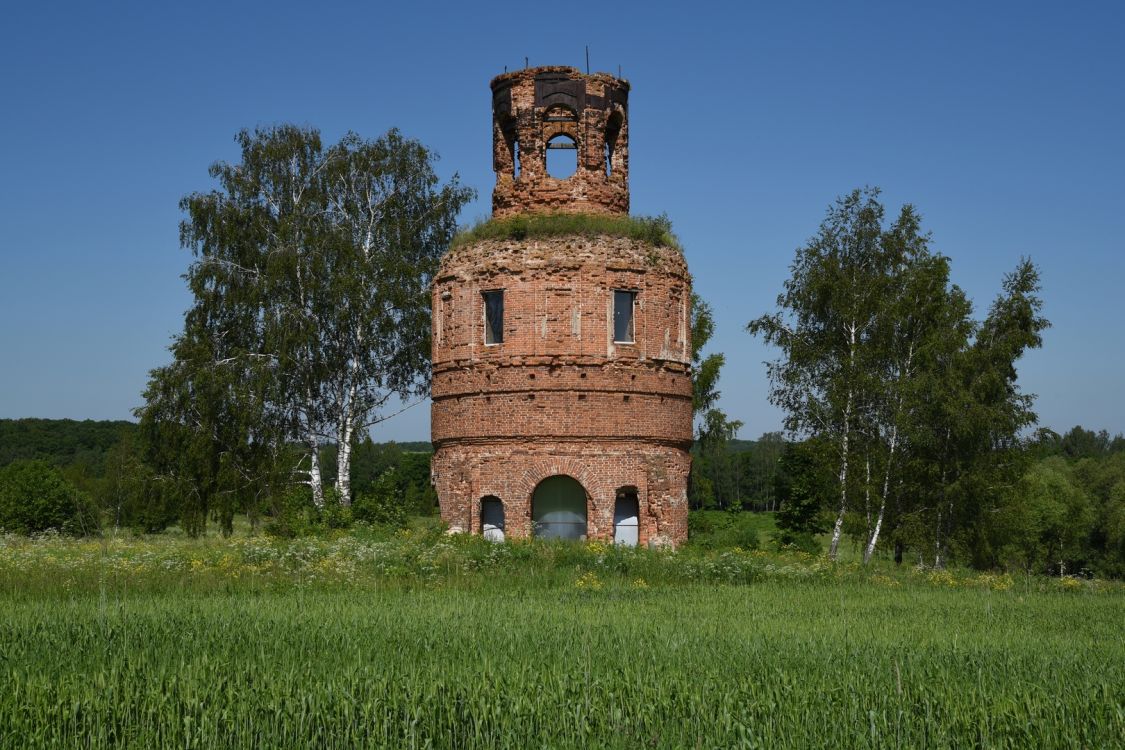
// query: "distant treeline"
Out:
[62,442]
[96,470]
[1065,515]
[744,474]
[736,474]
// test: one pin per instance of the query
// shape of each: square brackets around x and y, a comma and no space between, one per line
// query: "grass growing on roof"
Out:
[655,230]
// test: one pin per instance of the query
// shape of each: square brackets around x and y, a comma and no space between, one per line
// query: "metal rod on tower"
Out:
[587,59]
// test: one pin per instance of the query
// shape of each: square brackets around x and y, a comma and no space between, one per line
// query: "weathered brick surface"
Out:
[559,396]
[511,469]
[532,106]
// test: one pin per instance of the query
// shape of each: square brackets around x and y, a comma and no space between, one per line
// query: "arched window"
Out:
[558,509]
[612,131]
[492,518]
[562,157]
[510,133]
[626,517]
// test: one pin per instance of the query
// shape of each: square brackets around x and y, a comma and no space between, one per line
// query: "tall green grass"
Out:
[543,646]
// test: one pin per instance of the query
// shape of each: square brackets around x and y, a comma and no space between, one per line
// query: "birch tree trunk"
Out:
[839,527]
[874,538]
[316,482]
[904,372]
[344,435]
[867,491]
[937,541]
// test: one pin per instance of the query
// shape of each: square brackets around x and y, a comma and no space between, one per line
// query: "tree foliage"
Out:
[713,471]
[311,309]
[35,497]
[882,363]
[61,442]
[805,488]
[705,369]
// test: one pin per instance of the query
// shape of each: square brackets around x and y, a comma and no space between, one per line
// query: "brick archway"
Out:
[525,485]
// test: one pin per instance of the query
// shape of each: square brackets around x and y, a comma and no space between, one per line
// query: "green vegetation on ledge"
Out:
[655,230]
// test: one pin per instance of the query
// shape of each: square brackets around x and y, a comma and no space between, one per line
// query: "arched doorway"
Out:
[558,509]
[626,517]
[492,518]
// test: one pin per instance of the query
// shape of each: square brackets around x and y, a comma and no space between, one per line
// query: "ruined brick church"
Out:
[561,364]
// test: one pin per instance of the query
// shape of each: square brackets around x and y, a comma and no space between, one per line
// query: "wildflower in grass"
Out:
[588,581]
[640,583]
[941,578]
[1070,583]
[1001,582]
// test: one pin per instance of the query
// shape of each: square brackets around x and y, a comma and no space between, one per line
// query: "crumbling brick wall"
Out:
[559,395]
[532,107]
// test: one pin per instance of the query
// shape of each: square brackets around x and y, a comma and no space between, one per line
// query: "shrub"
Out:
[800,540]
[293,515]
[381,505]
[34,496]
[711,530]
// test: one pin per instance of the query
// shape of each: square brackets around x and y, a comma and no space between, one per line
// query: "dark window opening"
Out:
[562,157]
[492,518]
[623,316]
[494,316]
[509,133]
[626,517]
[612,131]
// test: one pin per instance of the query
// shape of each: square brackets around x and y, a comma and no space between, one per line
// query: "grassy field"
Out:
[415,640]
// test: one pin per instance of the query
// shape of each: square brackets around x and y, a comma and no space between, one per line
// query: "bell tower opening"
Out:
[555,125]
[562,157]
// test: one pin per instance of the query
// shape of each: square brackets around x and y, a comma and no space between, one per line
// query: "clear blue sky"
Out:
[1004,123]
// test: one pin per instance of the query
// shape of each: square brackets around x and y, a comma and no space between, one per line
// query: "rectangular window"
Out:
[623,316]
[493,316]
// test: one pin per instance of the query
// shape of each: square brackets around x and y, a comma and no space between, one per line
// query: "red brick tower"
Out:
[561,364]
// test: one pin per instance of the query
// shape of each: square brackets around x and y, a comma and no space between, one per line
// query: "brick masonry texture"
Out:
[559,395]
[533,106]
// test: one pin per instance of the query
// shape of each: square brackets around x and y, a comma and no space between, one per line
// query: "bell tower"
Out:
[538,110]
[562,363]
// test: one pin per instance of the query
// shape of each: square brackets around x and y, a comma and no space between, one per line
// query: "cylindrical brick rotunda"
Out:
[561,363]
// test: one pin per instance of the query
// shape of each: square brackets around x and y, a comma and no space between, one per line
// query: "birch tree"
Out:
[924,322]
[309,282]
[392,221]
[882,362]
[976,422]
[825,328]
